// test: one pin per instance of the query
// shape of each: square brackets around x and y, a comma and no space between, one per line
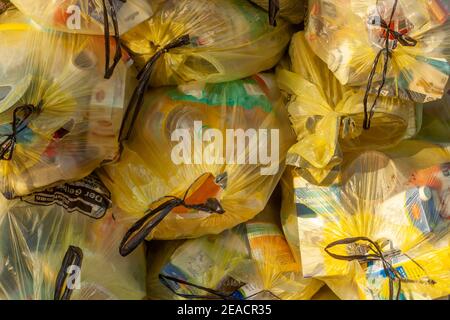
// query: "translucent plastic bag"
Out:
[328,117]
[59,119]
[215,48]
[383,223]
[291,10]
[201,158]
[350,36]
[93,17]
[61,243]
[87,16]
[252,261]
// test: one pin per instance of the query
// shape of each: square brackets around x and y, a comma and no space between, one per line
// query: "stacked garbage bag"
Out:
[181,175]
[252,261]
[59,117]
[61,243]
[224,149]
[382,224]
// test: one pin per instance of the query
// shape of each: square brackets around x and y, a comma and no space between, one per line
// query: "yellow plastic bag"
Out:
[87,16]
[351,35]
[291,10]
[201,158]
[110,18]
[217,48]
[328,117]
[250,262]
[66,229]
[386,208]
[59,118]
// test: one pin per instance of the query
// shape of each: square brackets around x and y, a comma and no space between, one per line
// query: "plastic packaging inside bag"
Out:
[250,262]
[352,35]
[328,117]
[59,118]
[435,123]
[382,225]
[215,47]
[110,18]
[201,158]
[87,16]
[291,10]
[61,243]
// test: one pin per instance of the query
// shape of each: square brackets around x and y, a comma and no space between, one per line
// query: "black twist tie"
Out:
[404,40]
[143,77]
[274,9]
[375,253]
[211,294]
[21,119]
[109,69]
[144,226]
[73,257]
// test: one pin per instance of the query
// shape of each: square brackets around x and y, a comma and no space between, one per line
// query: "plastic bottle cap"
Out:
[425,193]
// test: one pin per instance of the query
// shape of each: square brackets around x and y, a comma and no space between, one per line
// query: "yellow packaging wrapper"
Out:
[386,207]
[66,233]
[250,262]
[86,16]
[349,35]
[59,118]
[219,49]
[291,10]
[328,117]
[219,145]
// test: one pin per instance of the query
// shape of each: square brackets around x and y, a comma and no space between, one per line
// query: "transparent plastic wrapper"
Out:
[201,158]
[380,230]
[213,48]
[250,262]
[59,118]
[110,18]
[435,123]
[61,243]
[328,117]
[403,42]
[291,10]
